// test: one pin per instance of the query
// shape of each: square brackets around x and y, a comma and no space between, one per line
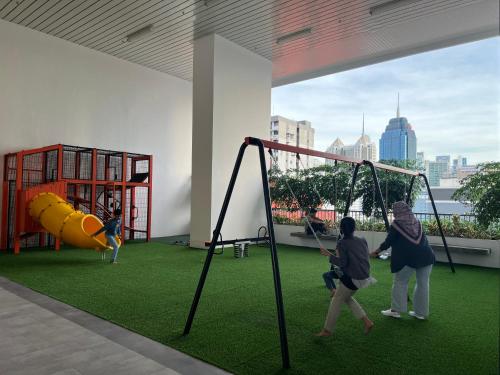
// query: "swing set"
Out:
[271,240]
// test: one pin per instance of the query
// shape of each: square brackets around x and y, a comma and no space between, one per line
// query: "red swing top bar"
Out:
[326,155]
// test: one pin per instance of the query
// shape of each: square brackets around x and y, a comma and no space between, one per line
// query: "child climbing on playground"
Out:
[112,228]
[353,260]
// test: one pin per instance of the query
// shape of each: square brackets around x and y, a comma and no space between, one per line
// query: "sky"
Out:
[450,96]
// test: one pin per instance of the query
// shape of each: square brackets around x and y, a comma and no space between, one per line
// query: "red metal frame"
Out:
[5,202]
[124,191]
[22,225]
[77,166]
[94,181]
[150,197]
[132,201]
[326,155]
[106,168]
[19,185]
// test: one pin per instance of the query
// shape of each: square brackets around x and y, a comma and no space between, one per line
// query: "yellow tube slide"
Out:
[60,219]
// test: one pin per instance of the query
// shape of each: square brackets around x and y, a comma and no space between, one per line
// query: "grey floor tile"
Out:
[42,336]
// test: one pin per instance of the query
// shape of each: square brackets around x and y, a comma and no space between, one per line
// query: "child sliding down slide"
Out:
[112,228]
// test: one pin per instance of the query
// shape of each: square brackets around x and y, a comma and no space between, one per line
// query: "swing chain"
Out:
[298,202]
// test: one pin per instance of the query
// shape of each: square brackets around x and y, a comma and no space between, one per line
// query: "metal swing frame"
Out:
[261,145]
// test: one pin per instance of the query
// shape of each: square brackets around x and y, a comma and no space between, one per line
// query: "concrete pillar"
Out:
[231,100]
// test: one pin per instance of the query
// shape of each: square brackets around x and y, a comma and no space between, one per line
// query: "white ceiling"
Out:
[344,34]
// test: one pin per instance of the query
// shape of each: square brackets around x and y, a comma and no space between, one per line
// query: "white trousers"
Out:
[420,294]
[342,295]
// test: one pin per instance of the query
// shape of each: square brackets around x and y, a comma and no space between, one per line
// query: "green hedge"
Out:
[451,228]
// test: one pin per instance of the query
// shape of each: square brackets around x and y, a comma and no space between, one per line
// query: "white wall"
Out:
[492,260]
[283,234]
[232,99]
[53,91]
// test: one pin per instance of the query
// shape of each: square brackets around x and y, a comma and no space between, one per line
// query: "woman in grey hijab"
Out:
[411,253]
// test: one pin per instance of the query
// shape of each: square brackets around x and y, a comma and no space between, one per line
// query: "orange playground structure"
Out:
[65,193]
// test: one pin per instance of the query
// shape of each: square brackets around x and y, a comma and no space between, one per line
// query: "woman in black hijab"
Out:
[411,253]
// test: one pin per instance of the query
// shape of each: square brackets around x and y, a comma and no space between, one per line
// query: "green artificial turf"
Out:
[151,289]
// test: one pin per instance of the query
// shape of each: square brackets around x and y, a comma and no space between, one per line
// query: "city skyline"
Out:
[454,86]
[338,146]
[364,148]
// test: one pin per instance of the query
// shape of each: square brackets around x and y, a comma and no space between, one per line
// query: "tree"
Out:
[482,191]
[330,184]
[313,187]
[394,187]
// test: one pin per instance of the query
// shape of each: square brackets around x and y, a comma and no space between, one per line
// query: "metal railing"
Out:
[426,216]
[331,215]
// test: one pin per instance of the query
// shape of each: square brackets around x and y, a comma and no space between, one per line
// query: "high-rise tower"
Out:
[399,141]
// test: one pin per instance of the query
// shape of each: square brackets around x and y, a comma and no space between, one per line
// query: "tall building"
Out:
[420,161]
[295,133]
[457,163]
[435,171]
[363,149]
[444,159]
[398,142]
[337,147]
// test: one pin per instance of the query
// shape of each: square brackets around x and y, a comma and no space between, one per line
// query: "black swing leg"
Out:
[408,196]
[445,244]
[274,257]
[378,192]
[272,245]
[351,191]
[215,236]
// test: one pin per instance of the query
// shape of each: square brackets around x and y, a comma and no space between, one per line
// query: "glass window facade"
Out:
[399,141]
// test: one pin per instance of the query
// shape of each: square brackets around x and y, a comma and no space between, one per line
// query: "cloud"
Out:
[450,96]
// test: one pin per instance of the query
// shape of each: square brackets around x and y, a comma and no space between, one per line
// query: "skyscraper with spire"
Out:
[363,149]
[399,141]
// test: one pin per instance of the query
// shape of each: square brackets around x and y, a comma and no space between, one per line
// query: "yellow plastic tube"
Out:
[60,219]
